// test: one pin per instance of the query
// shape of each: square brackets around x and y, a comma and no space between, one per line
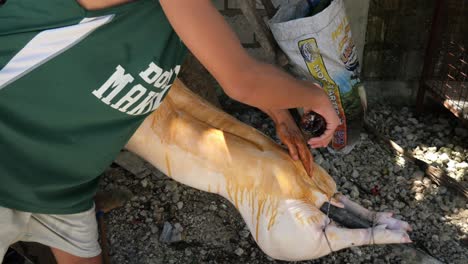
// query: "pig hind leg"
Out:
[339,238]
[384,218]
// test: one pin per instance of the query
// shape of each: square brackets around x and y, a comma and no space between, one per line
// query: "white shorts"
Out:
[76,234]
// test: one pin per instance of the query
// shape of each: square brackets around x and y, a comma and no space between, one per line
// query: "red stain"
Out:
[375,191]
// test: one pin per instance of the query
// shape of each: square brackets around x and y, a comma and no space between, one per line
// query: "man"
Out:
[77,78]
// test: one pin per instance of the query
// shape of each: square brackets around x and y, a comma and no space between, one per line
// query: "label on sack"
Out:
[314,61]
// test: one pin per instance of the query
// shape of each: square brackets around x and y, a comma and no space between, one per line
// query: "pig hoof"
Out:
[406,239]
[392,223]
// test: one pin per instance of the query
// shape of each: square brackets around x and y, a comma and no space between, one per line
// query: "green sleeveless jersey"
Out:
[74,87]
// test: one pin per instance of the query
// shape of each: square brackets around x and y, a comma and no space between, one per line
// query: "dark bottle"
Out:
[312,124]
[317,6]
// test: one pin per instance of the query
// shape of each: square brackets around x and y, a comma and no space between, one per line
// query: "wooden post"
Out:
[269,7]
[263,34]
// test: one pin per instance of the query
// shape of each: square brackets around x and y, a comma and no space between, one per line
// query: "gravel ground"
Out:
[166,222]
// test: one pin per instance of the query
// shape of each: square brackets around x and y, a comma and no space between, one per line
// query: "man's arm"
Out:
[210,39]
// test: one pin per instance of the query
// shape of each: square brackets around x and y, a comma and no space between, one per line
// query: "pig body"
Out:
[201,146]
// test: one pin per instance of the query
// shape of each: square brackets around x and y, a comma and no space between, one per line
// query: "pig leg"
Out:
[339,238]
[384,218]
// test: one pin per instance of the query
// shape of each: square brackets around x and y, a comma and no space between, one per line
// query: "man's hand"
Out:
[326,110]
[290,134]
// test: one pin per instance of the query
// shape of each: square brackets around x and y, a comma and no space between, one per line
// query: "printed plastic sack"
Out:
[320,48]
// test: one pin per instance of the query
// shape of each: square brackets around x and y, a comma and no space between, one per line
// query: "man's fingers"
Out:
[321,141]
[328,134]
[315,146]
[321,144]
[306,157]
[288,139]
[292,149]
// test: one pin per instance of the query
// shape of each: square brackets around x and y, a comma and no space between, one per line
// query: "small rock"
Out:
[318,159]
[442,190]
[154,229]
[419,196]
[180,205]
[400,179]
[458,149]
[144,213]
[445,150]
[366,203]
[451,164]
[432,149]
[427,182]
[244,233]
[423,215]
[170,186]
[349,158]
[460,175]
[144,183]
[445,237]
[239,251]
[461,132]
[326,165]
[462,165]
[444,208]
[397,168]
[176,237]
[438,127]
[356,250]
[354,192]
[385,171]
[444,158]
[175,197]
[355,174]
[364,136]
[166,233]
[171,234]
[431,156]
[131,162]
[398,205]
[178,227]
[413,120]
[222,213]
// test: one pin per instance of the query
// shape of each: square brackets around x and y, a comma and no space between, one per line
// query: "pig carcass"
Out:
[201,146]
